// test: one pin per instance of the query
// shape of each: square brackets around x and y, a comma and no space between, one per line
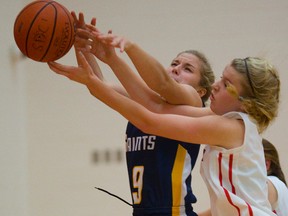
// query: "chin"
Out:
[214,109]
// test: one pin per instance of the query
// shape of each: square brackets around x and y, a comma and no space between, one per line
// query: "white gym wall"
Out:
[55,137]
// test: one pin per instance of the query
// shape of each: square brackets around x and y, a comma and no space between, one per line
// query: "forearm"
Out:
[157,78]
[98,72]
[94,65]
[91,60]
[134,85]
[123,105]
[151,71]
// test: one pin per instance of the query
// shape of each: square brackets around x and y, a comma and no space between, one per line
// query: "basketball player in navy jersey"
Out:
[159,168]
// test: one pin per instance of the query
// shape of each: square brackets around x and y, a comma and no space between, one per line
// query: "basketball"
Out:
[44,30]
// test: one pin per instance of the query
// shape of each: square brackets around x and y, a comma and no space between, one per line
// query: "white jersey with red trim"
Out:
[281,206]
[236,178]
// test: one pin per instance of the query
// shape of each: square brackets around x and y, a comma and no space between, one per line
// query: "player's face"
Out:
[185,69]
[222,101]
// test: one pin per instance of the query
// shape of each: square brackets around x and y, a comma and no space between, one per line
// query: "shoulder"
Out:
[249,125]
[222,131]
[277,183]
[240,130]
[272,194]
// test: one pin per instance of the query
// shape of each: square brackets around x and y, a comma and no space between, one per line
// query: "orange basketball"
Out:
[44,30]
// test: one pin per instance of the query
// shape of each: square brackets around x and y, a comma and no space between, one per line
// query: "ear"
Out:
[242,107]
[201,92]
[268,164]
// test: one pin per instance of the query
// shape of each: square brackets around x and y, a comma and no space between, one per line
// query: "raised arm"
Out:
[80,24]
[158,79]
[133,83]
[154,74]
[80,44]
[187,129]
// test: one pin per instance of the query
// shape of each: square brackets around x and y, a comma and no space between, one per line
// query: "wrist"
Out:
[112,60]
[91,82]
[128,46]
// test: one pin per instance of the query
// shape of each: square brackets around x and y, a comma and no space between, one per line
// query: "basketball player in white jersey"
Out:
[245,101]
[278,191]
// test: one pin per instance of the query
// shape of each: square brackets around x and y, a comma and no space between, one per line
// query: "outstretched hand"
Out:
[93,34]
[117,41]
[89,39]
[80,44]
[81,24]
[82,74]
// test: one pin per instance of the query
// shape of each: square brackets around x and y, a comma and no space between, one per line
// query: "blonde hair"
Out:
[261,89]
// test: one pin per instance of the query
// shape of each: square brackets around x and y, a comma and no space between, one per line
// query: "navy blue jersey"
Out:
[160,174]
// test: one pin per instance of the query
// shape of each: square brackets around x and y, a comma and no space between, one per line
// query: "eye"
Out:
[188,69]
[231,89]
[174,63]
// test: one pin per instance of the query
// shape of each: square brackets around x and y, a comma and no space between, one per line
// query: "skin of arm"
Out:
[205,213]
[135,86]
[156,77]
[272,193]
[80,45]
[228,133]
[80,24]
[151,71]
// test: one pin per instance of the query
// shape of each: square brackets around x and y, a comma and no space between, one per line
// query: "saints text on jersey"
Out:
[140,143]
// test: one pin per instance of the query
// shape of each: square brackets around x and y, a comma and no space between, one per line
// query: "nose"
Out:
[176,70]
[215,86]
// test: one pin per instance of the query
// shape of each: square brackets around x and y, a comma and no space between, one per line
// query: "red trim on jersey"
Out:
[231,182]
[230,173]
[250,209]
[220,168]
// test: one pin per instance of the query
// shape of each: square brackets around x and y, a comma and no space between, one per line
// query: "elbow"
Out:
[162,87]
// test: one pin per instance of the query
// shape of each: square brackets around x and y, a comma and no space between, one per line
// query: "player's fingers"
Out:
[59,68]
[74,16]
[92,28]
[81,20]
[106,38]
[82,42]
[82,60]
[122,48]
[83,34]
[53,67]
[93,21]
